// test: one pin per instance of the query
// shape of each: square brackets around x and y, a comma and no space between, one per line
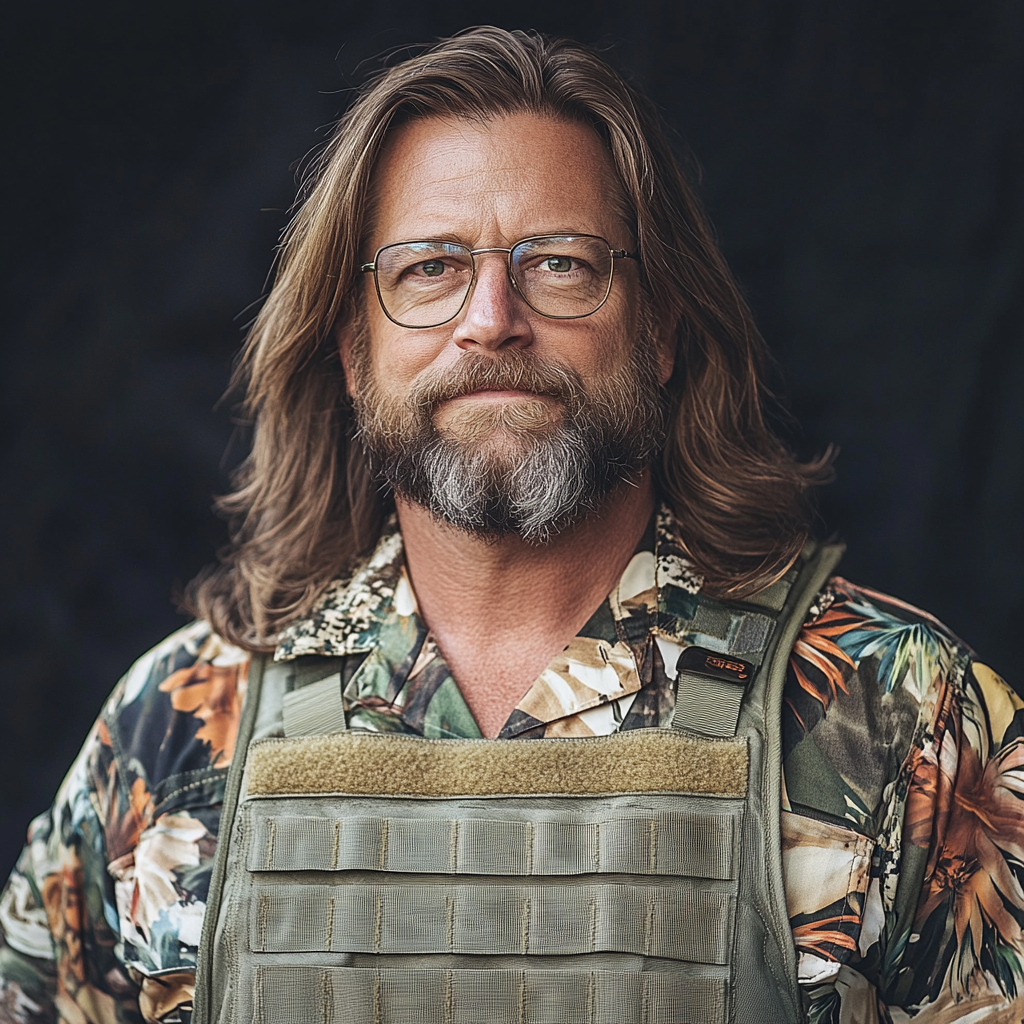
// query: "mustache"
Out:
[516,371]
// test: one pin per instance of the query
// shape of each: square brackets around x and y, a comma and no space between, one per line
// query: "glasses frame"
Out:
[616,254]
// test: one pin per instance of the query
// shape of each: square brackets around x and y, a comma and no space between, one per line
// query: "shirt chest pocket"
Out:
[833,902]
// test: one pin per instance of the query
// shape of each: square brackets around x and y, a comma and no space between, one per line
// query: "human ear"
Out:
[665,347]
[345,334]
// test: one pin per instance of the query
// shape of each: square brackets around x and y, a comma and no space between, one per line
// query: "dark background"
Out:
[862,162]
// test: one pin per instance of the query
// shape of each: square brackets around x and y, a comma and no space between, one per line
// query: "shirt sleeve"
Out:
[903,818]
[27,978]
[58,926]
[939,926]
[953,943]
[100,920]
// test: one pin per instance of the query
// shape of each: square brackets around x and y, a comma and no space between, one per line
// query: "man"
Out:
[500,300]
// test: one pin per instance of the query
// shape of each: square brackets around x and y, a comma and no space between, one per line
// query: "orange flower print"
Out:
[125,825]
[982,822]
[76,1000]
[213,690]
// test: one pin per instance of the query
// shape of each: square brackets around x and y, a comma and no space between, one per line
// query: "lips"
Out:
[502,392]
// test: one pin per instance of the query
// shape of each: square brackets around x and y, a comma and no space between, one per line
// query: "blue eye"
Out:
[432,268]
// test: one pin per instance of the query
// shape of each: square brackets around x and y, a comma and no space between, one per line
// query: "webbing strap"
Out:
[348,995]
[707,705]
[316,709]
[680,922]
[688,844]
[711,684]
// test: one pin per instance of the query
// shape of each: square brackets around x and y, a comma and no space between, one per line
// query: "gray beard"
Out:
[513,468]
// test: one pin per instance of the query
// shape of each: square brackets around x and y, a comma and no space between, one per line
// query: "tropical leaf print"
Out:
[825,935]
[818,664]
[910,653]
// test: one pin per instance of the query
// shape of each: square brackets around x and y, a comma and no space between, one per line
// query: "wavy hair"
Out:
[305,504]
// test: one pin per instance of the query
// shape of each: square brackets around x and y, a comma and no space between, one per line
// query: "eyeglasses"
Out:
[425,284]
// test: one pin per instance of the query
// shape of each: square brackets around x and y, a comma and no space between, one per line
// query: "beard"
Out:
[528,467]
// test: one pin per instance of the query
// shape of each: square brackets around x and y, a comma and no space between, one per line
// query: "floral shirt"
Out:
[903,806]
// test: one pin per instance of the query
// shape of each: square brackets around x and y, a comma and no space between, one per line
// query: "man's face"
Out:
[503,420]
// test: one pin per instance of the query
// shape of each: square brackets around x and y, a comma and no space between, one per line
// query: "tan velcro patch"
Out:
[381,764]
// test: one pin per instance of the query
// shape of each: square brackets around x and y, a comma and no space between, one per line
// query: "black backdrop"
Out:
[862,162]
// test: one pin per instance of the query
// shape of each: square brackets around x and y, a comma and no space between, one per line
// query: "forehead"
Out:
[495,181]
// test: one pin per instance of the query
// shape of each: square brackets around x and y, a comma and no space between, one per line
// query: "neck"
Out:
[500,609]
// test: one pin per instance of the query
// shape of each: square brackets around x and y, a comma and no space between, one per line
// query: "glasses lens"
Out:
[563,275]
[423,284]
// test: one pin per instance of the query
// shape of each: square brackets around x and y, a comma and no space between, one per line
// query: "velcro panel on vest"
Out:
[324,995]
[638,761]
[679,922]
[697,845]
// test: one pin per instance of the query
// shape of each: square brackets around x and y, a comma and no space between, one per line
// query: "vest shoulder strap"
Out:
[714,681]
[312,703]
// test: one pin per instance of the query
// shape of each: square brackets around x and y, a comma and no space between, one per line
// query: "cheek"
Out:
[399,356]
[608,347]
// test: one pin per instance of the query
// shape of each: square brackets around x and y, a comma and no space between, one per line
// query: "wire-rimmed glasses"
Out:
[425,283]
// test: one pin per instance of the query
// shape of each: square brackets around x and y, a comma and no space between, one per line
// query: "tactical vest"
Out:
[367,878]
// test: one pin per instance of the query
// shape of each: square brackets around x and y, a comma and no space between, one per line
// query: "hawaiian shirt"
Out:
[903,802]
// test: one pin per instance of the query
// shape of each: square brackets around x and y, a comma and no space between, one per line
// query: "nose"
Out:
[494,315]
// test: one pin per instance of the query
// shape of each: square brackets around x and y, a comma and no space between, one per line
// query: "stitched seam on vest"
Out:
[326,997]
[263,919]
[271,836]
[258,1012]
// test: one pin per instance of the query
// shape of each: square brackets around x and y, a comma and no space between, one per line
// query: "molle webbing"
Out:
[695,845]
[639,761]
[482,996]
[556,919]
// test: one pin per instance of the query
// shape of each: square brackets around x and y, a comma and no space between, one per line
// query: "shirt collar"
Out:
[348,616]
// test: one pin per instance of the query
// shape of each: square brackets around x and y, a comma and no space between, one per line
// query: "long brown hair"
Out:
[306,504]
